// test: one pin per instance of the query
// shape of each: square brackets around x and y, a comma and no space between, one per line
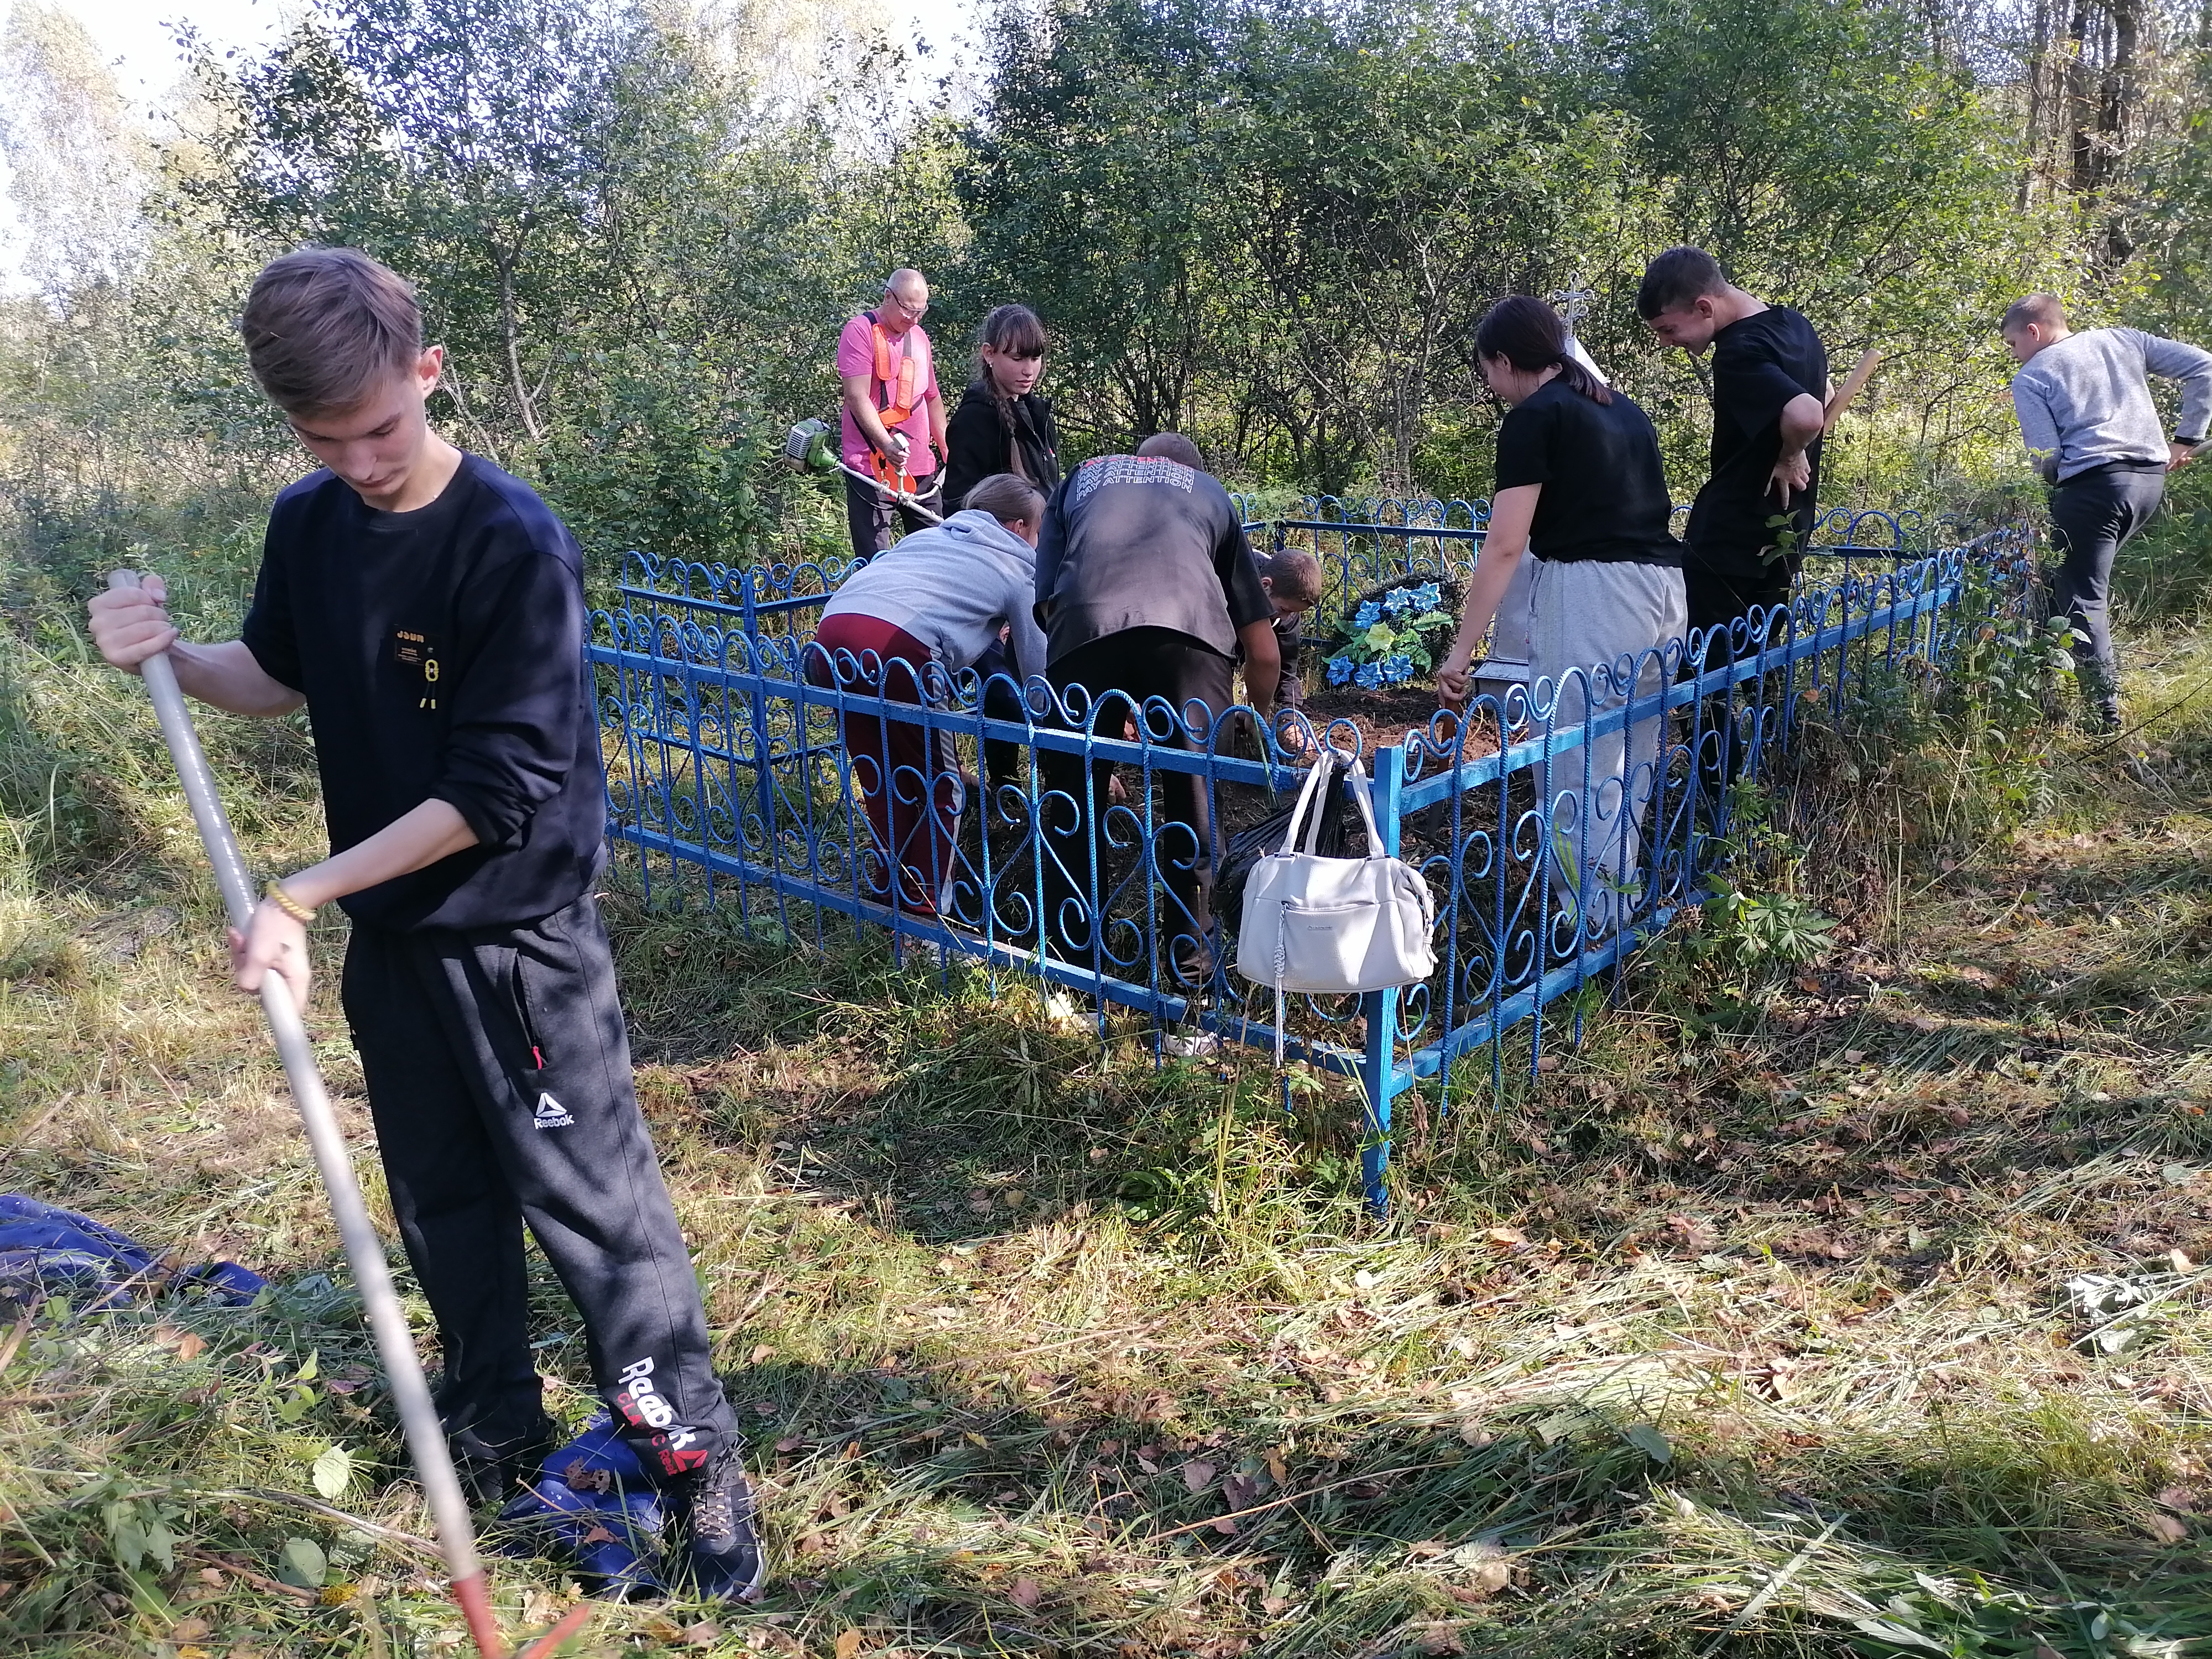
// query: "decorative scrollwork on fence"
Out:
[1082,833]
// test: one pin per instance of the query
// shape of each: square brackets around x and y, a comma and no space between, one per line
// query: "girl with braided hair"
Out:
[1002,424]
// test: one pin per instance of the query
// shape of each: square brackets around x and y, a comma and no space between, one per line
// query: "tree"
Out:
[1395,169]
[81,165]
[1831,162]
[1092,189]
[496,146]
[623,256]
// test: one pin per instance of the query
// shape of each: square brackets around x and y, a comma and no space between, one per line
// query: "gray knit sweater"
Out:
[2084,401]
[952,586]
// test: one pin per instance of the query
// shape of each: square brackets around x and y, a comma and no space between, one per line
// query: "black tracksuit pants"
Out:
[1718,601]
[870,513]
[499,1079]
[2092,516]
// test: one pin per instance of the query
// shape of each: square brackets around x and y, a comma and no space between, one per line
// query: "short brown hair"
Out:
[1006,496]
[2041,309]
[1293,575]
[1173,447]
[324,325]
[1677,280]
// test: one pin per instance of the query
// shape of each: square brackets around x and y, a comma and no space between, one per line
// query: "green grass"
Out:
[1744,1329]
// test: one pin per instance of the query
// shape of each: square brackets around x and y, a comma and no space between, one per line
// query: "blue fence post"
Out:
[1380,1007]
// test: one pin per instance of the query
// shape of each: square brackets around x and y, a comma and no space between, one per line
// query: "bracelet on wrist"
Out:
[275,893]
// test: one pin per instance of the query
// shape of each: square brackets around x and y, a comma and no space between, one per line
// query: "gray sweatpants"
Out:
[1595,626]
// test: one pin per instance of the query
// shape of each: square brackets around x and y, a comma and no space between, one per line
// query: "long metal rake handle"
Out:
[418,1416]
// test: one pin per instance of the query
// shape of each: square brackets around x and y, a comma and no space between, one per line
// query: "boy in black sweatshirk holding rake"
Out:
[428,610]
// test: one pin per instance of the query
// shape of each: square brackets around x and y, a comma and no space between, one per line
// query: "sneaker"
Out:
[727,1557]
[491,1469]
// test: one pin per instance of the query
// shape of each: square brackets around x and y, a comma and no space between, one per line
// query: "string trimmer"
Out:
[418,1417]
[812,448]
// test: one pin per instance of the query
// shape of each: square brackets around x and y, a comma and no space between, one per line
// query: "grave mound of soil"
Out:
[1383,717]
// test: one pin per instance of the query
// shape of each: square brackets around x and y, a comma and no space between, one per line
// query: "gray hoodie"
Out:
[2084,401]
[952,586]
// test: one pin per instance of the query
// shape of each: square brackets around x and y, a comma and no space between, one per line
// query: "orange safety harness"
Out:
[896,394]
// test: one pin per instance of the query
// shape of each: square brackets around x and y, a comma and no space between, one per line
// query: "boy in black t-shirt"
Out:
[1770,378]
[1750,524]
[428,611]
[1292,580]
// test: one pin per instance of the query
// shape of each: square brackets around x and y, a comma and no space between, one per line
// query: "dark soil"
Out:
[1383,718]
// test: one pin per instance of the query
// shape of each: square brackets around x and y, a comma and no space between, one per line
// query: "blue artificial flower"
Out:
[1339,669]
[1369,676]
[1396,600]
[1367,615]
[1397,667]
[1428,597]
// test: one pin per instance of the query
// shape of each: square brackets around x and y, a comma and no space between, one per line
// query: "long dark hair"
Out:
[1529,334]
[1014,329]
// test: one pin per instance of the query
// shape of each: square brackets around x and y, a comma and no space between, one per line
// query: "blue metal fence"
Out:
[740,755]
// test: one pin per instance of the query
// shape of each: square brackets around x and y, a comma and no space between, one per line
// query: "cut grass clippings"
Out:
[1754,1326]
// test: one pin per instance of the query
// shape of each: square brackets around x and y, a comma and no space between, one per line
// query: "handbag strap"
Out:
[1320,769]
[1365,796]
[1320,806]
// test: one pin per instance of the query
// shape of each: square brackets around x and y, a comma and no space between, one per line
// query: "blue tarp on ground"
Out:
[594,1503]
[45,1250]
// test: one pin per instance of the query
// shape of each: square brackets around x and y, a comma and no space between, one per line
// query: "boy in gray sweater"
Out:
[2087,416]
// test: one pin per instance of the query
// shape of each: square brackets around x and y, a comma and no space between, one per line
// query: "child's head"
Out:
[1292,579]
[1010,351]
[1013,501]
[336,341]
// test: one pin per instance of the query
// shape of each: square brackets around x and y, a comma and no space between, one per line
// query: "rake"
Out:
[418,1416]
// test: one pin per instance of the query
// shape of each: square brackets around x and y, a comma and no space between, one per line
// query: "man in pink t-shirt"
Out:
[894,421]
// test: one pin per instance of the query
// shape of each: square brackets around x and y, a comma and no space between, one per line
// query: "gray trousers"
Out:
[1595,629]
[2092,517]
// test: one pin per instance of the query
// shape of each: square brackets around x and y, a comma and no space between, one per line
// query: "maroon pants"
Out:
[908,776]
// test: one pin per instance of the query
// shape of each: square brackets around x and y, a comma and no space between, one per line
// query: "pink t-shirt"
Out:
[856,354]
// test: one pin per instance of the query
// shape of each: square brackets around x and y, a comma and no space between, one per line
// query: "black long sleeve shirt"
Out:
[440,651]
[979,443]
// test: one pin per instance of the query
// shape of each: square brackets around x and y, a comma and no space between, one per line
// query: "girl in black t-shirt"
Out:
[1581,486]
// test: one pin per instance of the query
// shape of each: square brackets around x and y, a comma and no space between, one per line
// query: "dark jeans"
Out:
[498,1079]
[870,513]
[1719,604]
[1140,662]
[2092,517]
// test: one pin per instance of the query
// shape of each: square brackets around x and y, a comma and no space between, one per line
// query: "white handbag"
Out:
[1319,924]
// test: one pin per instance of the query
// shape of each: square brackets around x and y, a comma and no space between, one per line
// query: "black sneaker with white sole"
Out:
[717,1505]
